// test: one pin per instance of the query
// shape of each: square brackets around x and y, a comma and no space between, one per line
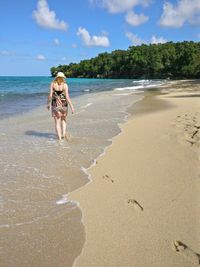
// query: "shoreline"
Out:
[38,172]
[87,200]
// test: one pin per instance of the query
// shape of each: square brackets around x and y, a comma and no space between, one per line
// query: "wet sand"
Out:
[142,204]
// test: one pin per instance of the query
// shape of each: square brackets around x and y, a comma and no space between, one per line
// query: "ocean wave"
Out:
[129,88]
[142,81]
[144,85]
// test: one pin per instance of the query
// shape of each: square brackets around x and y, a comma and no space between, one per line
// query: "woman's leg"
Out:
[58,126]
[63,125]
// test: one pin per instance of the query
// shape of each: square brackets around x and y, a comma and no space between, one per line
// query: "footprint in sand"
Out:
[189,129]
[135,204]
[107,177]
[186,252]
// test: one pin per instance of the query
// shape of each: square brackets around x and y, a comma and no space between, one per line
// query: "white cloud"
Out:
[134,39]
[56,41]
[40,57]
[120,6]
[92,40]
[47,18]
[136,19]
[157,40]
[117,6]
[184,11]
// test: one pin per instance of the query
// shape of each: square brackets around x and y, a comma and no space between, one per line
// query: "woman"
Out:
[59,99]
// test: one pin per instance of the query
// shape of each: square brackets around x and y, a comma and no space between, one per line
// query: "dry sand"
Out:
[142,207]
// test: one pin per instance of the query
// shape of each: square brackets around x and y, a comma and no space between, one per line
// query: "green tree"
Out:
[169,60]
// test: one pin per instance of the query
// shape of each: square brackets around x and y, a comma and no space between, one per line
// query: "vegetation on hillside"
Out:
[169,60]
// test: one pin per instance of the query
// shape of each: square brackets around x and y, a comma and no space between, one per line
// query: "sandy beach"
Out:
[142,204]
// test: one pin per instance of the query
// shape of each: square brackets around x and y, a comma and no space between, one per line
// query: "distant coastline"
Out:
[170,60]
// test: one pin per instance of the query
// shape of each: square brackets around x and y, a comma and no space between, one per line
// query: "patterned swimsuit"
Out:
[59,102]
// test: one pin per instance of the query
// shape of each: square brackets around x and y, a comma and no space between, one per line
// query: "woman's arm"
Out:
[50,96]
[68,98]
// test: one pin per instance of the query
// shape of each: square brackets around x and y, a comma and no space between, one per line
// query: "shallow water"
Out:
[20,94]
[39,226]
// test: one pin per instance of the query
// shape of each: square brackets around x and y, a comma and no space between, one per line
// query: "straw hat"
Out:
[60,74]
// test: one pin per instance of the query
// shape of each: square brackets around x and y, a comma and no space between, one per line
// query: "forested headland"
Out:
[170,60]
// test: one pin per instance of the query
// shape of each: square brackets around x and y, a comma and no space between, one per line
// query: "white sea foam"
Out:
[85,169]
[142,85]
[141,81]
[152,85]
[87,105]
[64,200]
[82,108]
[129,88]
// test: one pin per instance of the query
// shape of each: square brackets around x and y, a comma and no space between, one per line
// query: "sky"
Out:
[36,35]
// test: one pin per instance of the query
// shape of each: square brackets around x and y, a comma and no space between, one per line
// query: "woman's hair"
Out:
[55,80]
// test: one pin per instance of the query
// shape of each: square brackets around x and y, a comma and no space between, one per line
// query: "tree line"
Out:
[169,60]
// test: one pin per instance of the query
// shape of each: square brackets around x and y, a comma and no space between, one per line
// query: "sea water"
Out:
[39,226]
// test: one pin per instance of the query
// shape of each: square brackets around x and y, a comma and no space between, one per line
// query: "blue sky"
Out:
[38,34]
